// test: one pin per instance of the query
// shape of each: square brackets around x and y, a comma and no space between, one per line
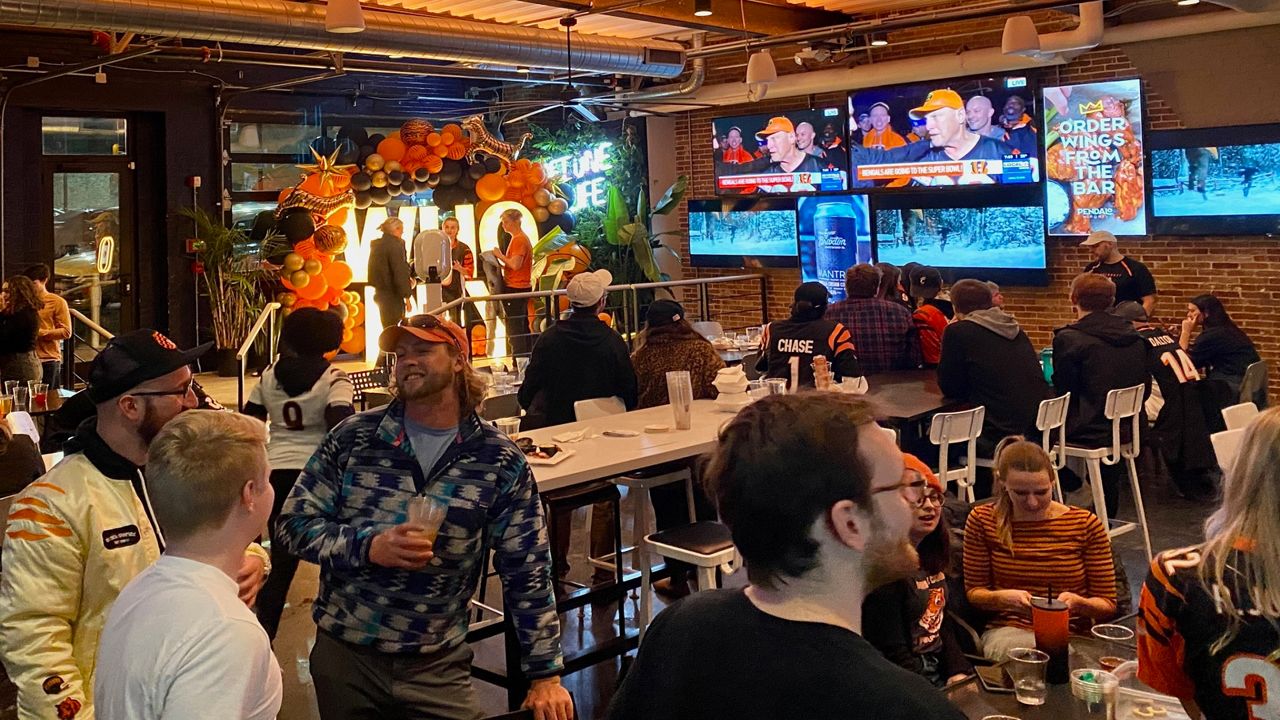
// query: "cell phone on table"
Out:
[994,678]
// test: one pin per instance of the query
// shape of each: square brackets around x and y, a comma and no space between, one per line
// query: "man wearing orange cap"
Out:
[785,156]
[949,135]
[391,614]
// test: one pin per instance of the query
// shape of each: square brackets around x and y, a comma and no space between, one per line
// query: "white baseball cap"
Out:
[1099,236]
[586,289]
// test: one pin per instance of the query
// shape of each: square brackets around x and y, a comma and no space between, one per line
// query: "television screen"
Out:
[972,131]
[801,151]
[742,233]
[835,234]
[1000,243]
[1201,185]
[1093,158]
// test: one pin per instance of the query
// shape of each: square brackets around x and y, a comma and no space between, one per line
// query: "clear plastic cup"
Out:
[757,389]
[777,386]
[21,398]
[1027,668]
[6,404]
[1116,645]
[510,426]
[39,395]
[680,394]
[427,513]
[1097,689]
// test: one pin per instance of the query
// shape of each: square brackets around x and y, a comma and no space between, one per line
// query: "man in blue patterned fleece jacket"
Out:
[392,605]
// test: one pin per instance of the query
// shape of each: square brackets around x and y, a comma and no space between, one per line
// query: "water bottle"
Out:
[835,239]
[1046,364]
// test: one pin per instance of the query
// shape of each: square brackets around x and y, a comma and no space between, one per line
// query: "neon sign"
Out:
[586,171]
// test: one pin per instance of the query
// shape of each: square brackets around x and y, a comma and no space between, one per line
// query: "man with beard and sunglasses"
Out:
[392,608]
[81,532]
[817,537]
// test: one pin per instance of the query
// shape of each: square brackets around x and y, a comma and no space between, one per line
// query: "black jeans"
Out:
[519,340]
[274,592]
[51,373]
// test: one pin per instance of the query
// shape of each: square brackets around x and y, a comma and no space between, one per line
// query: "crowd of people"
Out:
[134,584]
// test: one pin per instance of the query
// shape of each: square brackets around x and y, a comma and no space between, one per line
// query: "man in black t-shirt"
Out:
[1133,280]
[790,645]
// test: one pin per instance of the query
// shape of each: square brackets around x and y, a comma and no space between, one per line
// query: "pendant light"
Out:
[344,16]
[702,8]
[761,73]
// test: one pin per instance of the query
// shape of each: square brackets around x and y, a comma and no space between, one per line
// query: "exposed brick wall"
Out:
[1240,270]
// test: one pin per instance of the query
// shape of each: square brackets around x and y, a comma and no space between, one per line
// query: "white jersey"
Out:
[297,423]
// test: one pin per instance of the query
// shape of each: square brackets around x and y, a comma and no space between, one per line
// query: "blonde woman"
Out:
[1027,544]
[1209,628]
[389,272]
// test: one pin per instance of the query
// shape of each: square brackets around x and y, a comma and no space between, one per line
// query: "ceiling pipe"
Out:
[283,23]
[691,84]
[973,62]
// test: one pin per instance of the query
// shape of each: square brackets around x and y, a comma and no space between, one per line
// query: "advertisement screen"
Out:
[975,131]
[742,233]
[1001,243]
[796,152]
[1093,158]
[1216,181]
[835,235]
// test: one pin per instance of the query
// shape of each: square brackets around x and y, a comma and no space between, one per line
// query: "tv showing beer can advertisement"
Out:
[1215,181]
[795,152]
[1093,158]
[743,232]
[968,131]
[1001,243]
[835,234]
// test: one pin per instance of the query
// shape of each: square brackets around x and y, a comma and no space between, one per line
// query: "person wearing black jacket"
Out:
[390,273]
[1096,354]
[806,335]
[19,327]
[988,360]
[1222,348]
[578,358]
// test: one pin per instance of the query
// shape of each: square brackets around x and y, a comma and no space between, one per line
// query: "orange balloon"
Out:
[447,138]
[479,339]
[513,193]
[337,218]
[440,150]
[433,139]
[527,200]
[416,153]
[355,345]
[523,164]
[491,187]
[283,194]
[284,280]
[606,318]
[516,181]
[452,128]
[307,249]
[332,295]
[338,275]
[537,174]
[433,163]
[331,355]
[392,149]
[457,151]
[348,323]
[315,289]
[356,313]
[347,335]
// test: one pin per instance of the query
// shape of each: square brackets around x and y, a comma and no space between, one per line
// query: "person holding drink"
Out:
[1026,545]
[355,511]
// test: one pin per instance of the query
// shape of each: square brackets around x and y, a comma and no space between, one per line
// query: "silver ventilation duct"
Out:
[282,23]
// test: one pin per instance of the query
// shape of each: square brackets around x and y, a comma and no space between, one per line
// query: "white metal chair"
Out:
[707,545]
[1051,416]
[1226,446]
[958,427]
[1254,386]
[708,327]
[638,484]
[1122,404]
[1238,416]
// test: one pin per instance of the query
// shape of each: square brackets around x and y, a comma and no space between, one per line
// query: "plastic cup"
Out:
[522,364]
[6,405]
[9,385]
[427,513]
[21,398]
[1097,689]
[39,395]
[1027,667]
[1000,717]
[753,335]
[757,389]
[680,394]
[510,426]
[777,386]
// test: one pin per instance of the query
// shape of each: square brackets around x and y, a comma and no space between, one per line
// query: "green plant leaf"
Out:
[672,197]
[615,215]
[642,253]
[555,239]
[642,207]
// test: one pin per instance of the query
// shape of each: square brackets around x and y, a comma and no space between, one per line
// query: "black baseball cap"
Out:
[132,358]
[926,278]
[814,293]
[664,312]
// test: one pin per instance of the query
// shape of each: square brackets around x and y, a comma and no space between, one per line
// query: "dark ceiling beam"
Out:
[763,18]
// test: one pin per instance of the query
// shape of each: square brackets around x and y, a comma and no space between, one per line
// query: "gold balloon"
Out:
[300,279]
[379,179]
[557,206]
[392,166]
[287,299]
[293,262]
[312,267]
[541,214]
[374,162]
[543,197]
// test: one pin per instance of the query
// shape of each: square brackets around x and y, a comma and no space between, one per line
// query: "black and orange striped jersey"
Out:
[807,339]
[1179,621]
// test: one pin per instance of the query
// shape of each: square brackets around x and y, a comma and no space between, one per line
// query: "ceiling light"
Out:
[344,16]
[1020,36]
[100,77]
[761,72]
[702,8]
[1185,3]
[879,41]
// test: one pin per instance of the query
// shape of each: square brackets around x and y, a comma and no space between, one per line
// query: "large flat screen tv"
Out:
[1093,158]
[1215,181]
[743,233]
[795,152]
[969,131]
[1001,243]
[835,234]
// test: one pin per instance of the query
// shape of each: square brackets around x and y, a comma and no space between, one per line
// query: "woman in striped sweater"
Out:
[1025,544]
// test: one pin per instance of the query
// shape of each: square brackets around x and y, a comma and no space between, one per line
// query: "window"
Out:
[271,139]
[84,136]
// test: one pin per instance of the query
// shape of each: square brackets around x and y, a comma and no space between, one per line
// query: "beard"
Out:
[423,385]
[888,558]
[152,423]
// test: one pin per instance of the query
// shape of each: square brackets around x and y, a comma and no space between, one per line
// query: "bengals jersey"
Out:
[1180,621]
[807,339]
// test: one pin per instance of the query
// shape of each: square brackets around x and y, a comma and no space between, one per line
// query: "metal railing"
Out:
[88,341]
[627,302]
[265,318]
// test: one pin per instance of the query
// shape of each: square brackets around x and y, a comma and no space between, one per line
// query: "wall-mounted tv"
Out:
[1003,243]
[743,233]
[796,152]
[1215,181]
[1093,158]
[969,131]
[835,234]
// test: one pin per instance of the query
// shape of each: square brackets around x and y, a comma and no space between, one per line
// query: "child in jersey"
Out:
[1208,629]
[301,396]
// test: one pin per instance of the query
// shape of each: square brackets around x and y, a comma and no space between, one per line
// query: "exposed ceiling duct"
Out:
[282,23]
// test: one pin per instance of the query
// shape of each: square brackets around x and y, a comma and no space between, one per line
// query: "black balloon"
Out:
[421,175]
[380,196]
[354,133]
[324,145]
[409,187]
[363,201]
[564,221]
[446,197]
[468,182]
[492,164]
[361,182]
[296,225]
[395,190]
[348,153]
[263,223]
[365,152]
[375,139]
[476,171]
[451,172]
[396,177]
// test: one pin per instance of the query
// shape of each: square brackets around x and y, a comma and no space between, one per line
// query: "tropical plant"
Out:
[626,244]
[235,277]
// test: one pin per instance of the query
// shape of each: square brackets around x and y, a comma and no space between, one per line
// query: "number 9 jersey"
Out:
[297,423]
[1179,622]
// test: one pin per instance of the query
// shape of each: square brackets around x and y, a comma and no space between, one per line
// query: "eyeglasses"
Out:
[183,392]
[912,487]
[431,322]
[930,497]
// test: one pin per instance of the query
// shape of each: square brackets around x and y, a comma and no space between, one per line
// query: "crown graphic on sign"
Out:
[1093,107]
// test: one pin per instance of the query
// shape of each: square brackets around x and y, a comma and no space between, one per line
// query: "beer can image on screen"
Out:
[838,244]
